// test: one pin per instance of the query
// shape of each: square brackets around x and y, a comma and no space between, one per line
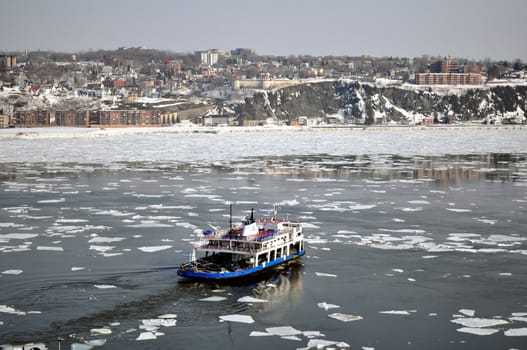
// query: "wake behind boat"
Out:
[252,247]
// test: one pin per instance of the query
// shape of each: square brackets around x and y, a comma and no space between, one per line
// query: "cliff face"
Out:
[355,102]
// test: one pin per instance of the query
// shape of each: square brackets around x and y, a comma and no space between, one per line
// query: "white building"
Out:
[209,57]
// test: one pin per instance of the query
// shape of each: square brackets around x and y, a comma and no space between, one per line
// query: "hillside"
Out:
[354,102]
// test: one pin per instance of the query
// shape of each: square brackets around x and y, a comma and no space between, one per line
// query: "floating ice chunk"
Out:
[237,318]
[412,209]
[12,272]
[518,319]
[429,256]
[362,206]
[411,279]
[81,346]
[259,334]
[367,348]
[419,201]
[101,331]
[46,201]
[398,270]
[105,239]
[312,334]
[101,248]
[478,331]
[323,274]
[56,249]
[475,322]
[327,306]
[70,221]
[516,332]
[395,312]
[283,331]
[96,342]
[291,337]
[18,236]
[249,299]
[77,268]
[316,240]
[519,314]
[158,322]
[10,310]
[345,317]
[213,298]
[146,336]
[486,221]
[320,343]
[167,316]
[468,312]
[458,210]
[104,286]
[153,249]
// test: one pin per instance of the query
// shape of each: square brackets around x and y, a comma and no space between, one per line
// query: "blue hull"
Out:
[237,274]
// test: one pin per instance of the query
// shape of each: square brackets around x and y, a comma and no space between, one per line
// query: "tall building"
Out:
[209,57]
[448,72]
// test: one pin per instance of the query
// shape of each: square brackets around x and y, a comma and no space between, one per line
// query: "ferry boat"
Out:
[250,248]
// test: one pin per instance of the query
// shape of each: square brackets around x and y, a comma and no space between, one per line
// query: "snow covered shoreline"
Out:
[73,132]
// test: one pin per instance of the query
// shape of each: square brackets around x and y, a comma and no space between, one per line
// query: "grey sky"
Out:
[409,28]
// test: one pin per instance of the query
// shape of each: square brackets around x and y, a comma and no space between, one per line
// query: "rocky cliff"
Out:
[354,102]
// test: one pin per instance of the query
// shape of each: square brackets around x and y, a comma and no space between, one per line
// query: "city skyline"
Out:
[409,28]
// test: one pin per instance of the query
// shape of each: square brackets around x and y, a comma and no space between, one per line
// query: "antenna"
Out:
[230,216]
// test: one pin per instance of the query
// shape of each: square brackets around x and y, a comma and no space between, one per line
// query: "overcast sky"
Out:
[405,28]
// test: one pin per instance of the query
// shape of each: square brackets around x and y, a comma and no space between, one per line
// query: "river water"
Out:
[429,249]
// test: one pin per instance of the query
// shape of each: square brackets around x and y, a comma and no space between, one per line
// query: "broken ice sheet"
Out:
[283,331]
[397,312]
[146,336]
[12,272]
[475,322]
[478,331]
[344,317]
[213,298]
[516,332]
[467,312]
[104,286]
[323,274]
[249,299]
[153,249]
[326,306]
[237,318]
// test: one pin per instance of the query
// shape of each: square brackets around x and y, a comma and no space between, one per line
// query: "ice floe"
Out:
[516,332]
[283,331]
[324,274]
[249,299]
[152,249]
[104,286]
[344,317]
[478,331]
[467,312]
[476,322]
[12,272]
[106,239]
[11,310]
[397,312]
[55,249]
[213,298]
[101,331]
[8,236]
[326,306]
[237,318]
